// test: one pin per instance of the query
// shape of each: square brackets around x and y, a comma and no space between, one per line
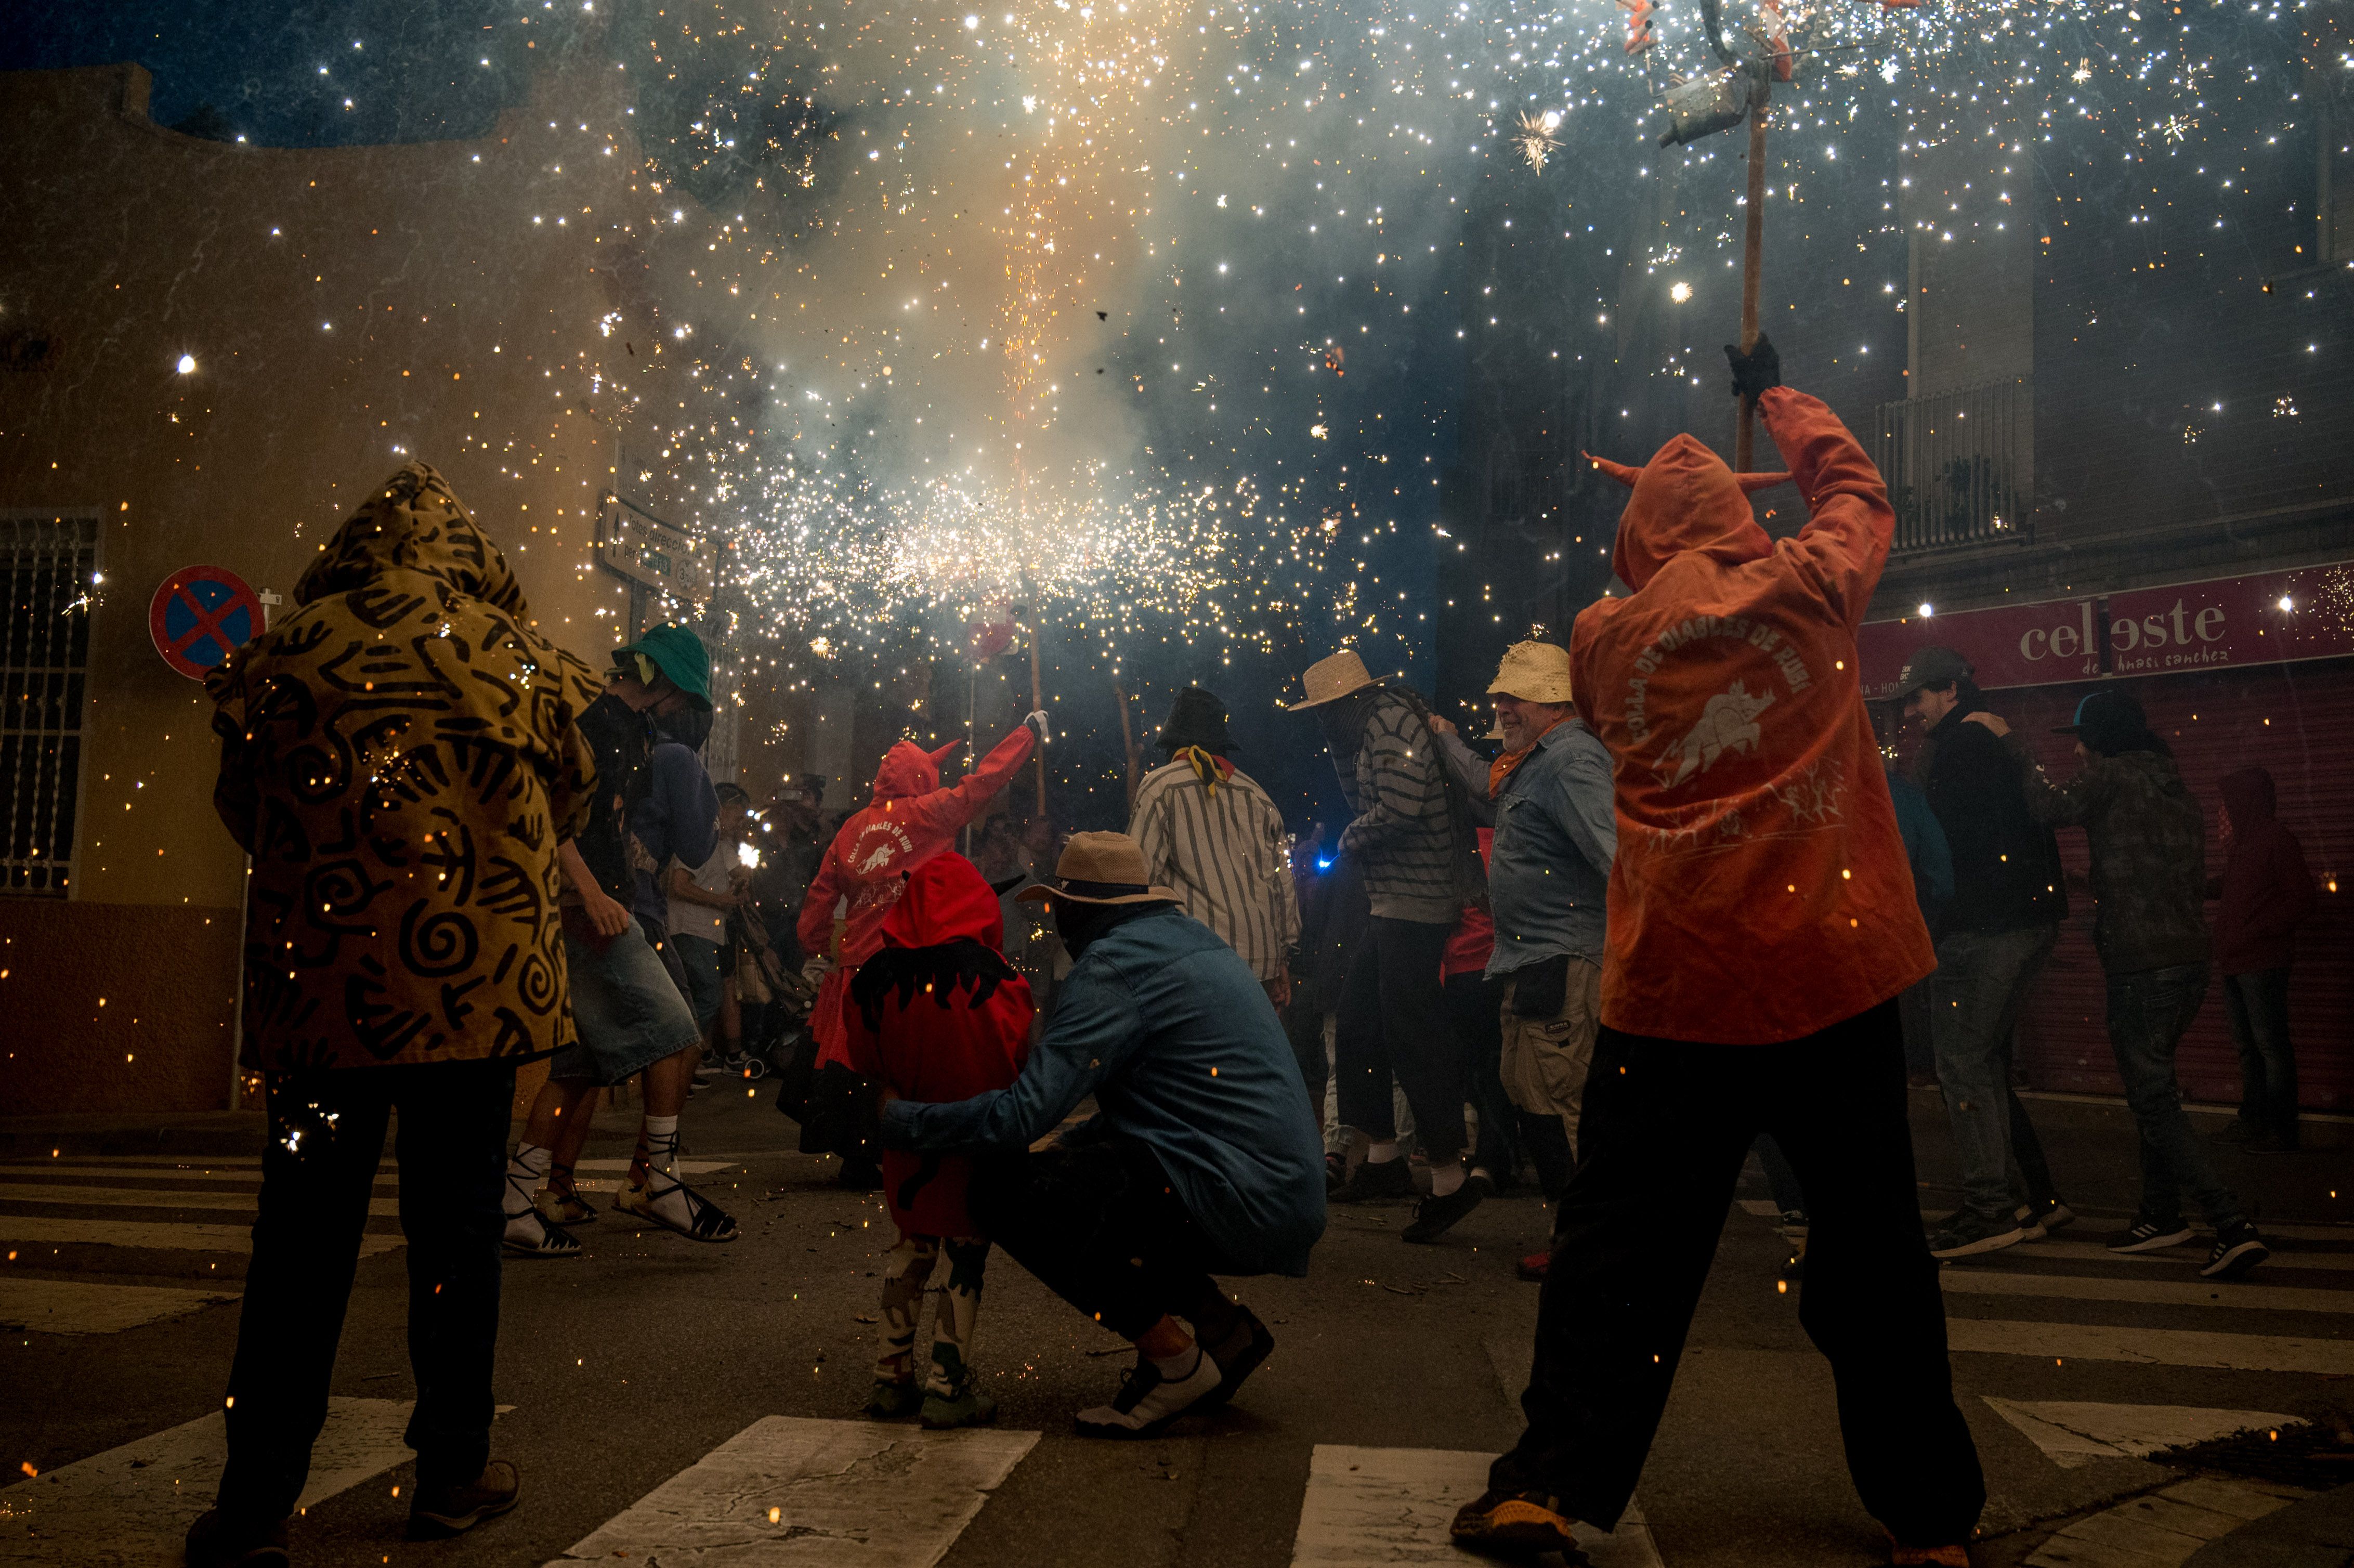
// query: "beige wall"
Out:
[347,309]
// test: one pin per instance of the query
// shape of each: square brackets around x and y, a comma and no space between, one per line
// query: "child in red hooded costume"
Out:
[1761,924]
[935,1014]
[908,820]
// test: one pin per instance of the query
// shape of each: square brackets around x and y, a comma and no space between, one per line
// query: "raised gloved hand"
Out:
[1038,722]
[1755,372]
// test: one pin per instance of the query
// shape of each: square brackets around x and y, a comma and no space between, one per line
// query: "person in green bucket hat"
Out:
[673,653]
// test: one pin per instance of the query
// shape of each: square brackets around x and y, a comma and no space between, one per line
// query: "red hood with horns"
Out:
[1760,891]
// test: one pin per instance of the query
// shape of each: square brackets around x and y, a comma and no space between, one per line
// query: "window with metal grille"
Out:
[50,564]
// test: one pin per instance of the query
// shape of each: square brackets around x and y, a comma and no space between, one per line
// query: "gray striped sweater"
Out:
[1401,836]
[1223,852]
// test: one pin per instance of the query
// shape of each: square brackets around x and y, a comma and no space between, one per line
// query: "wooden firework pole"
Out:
[1126,739]
[1744,441]
[1037,703]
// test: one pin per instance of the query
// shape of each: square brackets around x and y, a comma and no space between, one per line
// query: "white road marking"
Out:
[2075,1434]
[155,1234]
[2185,1256]
[1763,1208]
[2233,1294]
[152,1198]
[814,1494]
[1394,1505]
[2201,1236]
[72,1306]
[2163,1527]
[2151,1347]
[131,1507]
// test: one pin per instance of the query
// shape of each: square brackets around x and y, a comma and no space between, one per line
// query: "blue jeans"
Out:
[2147,1014]
[1982,978]
[2258,1005]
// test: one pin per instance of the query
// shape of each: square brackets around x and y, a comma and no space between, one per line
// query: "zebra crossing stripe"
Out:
[2074,1433]
[814,1494]
[152,1198]
[2163,1527]
[2182,1257]
[131,1507]
[1394,1505]
[2151,1347]
[72,1306]
[153,1234]
[2150,1292]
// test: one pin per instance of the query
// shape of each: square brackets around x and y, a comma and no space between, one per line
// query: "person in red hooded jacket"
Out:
[908,820]
[936,1013]
[1761,925]
[2267,893]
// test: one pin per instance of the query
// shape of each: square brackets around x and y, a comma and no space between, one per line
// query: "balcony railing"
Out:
[1959,466]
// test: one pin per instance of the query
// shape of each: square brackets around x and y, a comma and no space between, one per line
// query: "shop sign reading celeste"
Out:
[2275,618]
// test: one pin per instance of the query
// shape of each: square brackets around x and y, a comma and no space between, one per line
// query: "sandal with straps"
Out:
[560,1202]
[705,1221]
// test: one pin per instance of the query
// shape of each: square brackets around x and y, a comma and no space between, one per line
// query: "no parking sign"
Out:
[200,616]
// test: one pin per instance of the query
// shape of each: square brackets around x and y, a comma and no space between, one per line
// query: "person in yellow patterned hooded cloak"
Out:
[400,757]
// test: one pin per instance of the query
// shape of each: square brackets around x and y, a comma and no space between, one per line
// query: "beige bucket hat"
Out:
[1534,672]
[1100,868]
[1330,680]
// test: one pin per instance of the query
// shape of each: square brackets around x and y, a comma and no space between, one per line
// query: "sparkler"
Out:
[1536,140]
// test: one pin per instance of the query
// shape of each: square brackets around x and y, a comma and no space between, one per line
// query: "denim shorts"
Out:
[700,955]
[627,1014]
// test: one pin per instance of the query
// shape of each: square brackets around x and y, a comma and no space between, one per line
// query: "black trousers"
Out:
[1100,1227]
[1665,1129]
[1475,1010]
[1393,1019]
[316,1179]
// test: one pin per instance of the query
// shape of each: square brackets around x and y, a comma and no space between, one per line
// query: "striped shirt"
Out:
[1401,836]
[1223,853]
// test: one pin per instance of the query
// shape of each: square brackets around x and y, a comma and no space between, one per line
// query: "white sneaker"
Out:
[1149,1401]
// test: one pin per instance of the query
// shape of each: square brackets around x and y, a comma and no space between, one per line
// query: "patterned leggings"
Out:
[905,1273]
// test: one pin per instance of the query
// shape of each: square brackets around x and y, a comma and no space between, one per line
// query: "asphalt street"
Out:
[671,1403]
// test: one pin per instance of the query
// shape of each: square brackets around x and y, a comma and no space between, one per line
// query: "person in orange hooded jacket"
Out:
[935,1014]
[906,820]
[1762,923]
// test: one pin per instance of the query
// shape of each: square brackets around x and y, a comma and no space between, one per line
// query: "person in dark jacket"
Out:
[1931,859]
[2149,842]
[2266,892]
[1993,936]
[1201,1160]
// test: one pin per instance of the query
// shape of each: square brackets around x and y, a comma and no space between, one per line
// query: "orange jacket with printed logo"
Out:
[1761,890]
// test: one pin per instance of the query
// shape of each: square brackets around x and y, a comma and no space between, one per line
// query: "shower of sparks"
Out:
[1536,137]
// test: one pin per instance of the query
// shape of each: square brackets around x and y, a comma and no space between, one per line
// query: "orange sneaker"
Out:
[1516,1522]
[1902,1556]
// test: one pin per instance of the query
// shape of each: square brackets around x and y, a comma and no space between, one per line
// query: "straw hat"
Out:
[1534,672]
[1100,868]
[1330,680]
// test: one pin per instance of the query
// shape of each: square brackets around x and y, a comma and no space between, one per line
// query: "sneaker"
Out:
[2238,1248]
[968,1408]
[215,1541]
[531,1235]
[1954,1555]
[1148,1402]
[1516,1522]
[1238,1355]
[1965,1233]
[892,1399]
[1533,1267]
[1434,1216]
[450,1510]
[2039,1220]
[2148,1235]
[1384,1184]
[1336,1172]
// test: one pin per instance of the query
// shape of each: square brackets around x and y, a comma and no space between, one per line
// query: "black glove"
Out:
[1539,989]
[1755,371]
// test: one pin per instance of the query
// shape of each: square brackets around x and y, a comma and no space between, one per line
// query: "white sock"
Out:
[1181,1366]
[1380,1151]
[1445,1177]
[525,1170]
[662,1143]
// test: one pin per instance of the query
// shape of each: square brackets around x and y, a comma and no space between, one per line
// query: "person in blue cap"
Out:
[630,1015]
